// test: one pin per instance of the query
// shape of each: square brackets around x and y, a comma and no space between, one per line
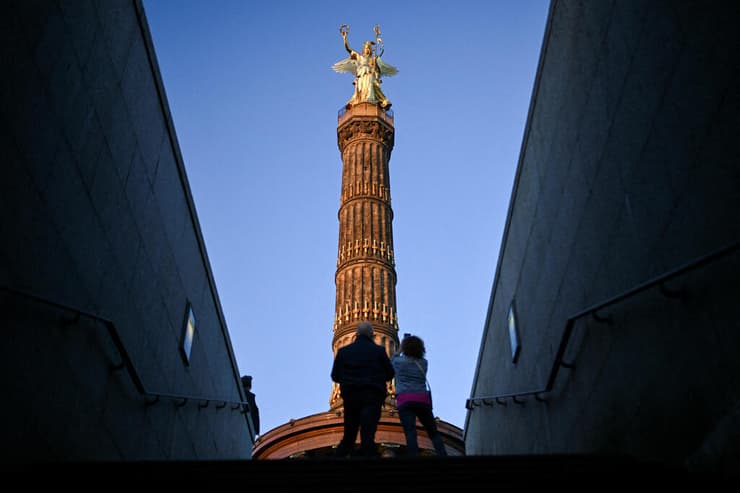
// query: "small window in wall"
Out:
[513,332]
[188,334]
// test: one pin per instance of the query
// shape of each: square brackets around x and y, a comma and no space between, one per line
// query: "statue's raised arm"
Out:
[344,30]
[367,67]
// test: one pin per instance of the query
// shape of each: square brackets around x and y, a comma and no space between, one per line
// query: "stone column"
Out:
[366,275]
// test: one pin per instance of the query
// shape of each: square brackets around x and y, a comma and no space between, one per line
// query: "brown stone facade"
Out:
[365,290]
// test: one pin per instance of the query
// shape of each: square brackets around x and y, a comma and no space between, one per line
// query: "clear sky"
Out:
[254,102]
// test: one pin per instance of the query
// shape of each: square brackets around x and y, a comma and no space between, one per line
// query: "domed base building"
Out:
[317,435]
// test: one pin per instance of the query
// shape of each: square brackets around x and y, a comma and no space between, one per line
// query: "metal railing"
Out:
[150,397]
[558,362]
[343,110]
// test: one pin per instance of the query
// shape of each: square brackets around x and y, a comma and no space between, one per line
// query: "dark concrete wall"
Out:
[96,214]
[628,169]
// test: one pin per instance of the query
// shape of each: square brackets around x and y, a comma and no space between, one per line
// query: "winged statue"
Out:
[368,67]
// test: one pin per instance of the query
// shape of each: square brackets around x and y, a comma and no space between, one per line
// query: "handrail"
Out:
[128,363]
[343,110]
[593,310]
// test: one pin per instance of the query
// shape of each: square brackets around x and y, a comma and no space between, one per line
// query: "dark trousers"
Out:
[362,408]
[408,413]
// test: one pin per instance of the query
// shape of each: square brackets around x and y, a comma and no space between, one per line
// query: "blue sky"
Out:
[254,103]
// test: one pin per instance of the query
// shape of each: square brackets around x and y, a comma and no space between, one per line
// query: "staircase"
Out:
[394,475]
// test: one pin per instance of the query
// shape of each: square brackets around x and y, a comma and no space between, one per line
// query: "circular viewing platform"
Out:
[365,109]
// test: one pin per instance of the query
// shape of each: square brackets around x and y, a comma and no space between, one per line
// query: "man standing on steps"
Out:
[361,369]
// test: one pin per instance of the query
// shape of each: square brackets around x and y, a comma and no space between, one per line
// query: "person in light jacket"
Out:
[412,398]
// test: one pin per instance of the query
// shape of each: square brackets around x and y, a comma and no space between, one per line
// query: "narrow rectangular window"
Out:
[188,334]
[513,333]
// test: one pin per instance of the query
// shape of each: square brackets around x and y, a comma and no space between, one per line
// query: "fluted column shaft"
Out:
[365,277]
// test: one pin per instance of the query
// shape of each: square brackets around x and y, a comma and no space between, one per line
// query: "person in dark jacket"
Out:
[254,411]
[361,369]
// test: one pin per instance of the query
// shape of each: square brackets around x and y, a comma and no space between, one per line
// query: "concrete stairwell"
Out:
[398,474]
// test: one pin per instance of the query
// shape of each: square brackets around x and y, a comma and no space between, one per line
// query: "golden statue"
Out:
[367,68]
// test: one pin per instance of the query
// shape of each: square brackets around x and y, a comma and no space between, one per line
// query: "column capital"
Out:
[365,121]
